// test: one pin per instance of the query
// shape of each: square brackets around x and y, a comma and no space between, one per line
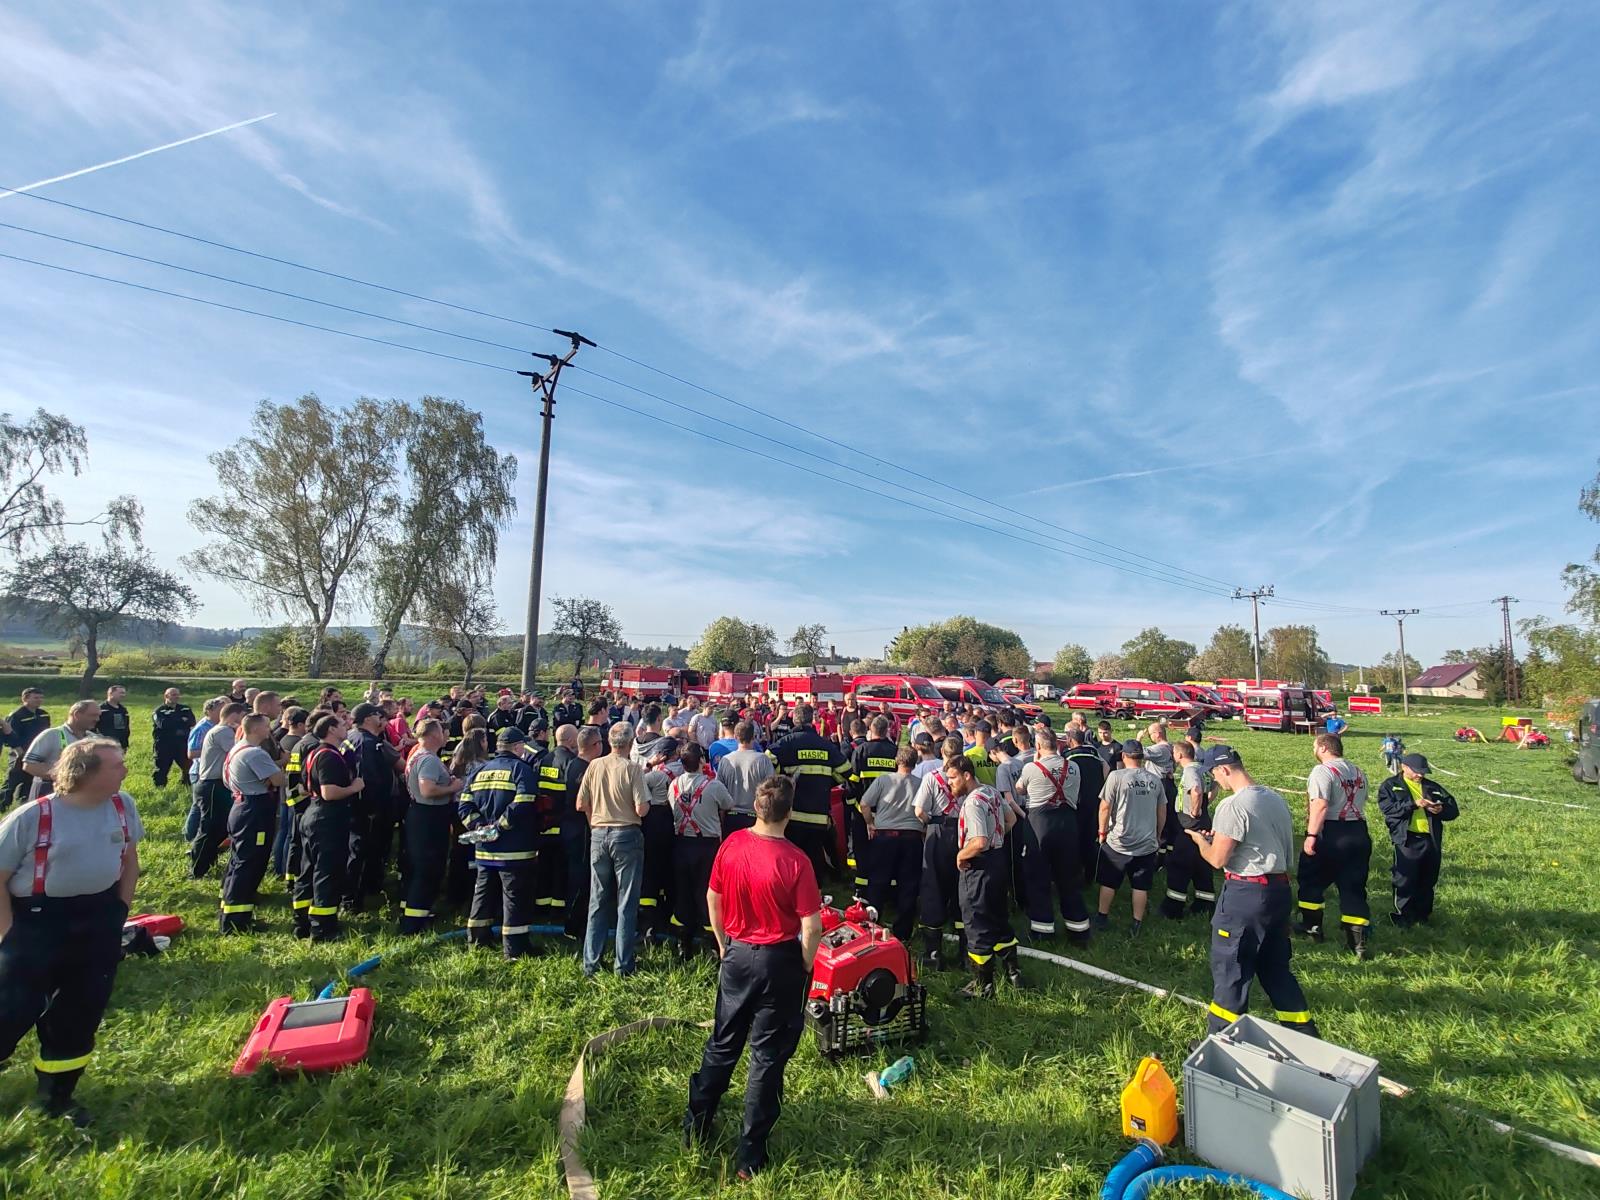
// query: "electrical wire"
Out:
[1075,534]
[989,529]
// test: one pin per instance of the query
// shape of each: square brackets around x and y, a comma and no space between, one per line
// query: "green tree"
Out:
[729,644]
[1583,579]
[1292,652]
[808,645]
[31,451]
[1229,655]
[88,594]
[1491,664]
[458,497]
[582,623]
[1387,673]
[1151,654]
[1072,665]
[1562,666]
[458,614]
[304,500]
[962,646]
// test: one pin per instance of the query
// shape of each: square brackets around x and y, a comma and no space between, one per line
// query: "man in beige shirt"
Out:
[613,797]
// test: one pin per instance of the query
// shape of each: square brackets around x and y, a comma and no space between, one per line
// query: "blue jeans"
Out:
[616,860]
[191,823]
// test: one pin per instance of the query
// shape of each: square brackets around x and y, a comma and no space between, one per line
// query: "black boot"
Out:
[1355,937]
[1310,926]
[930,950]
[981,986]
[54,1097]
[1171,908]
[1012,961]
[685,949]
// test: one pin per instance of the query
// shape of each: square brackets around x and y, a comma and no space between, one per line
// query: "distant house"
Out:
[1449,679]
[1043,670]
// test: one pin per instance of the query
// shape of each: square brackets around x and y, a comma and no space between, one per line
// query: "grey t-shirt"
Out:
[1136,797]
[1258,819]
[658,780]
[214,751]
[982,815]
[1194,779]
[1343,785]
[891,799]
[1041,791]
[934,798]
[697,805]
[248,771]
[741,772]
[85,853]
[425,765]
[1158,759]
[44,752]
[1008,771]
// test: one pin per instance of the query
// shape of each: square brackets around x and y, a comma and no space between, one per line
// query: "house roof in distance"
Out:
[1444,675]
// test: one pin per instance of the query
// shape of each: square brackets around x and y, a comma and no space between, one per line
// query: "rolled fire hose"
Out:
[1144,1184]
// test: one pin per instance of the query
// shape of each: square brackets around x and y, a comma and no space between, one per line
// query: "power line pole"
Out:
[1513,692]
[1400,615]
[544,387]
[1255,616]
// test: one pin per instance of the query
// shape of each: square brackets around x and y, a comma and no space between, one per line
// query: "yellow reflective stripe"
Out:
[506,855]
[546,786]
[508,929]
[416,912]
[1313,907]
[980,959]
[319,911]
[550,902]
[525,799]
[1354,920]
[815,769]
[999,946]
[56,1066]
[480,923]
[238,908]
[806,818]
[299,904]
[959,925]
[1223,933]
[551,832]
[647,901]
[261,838]
[1217,1010]
[1294,1018]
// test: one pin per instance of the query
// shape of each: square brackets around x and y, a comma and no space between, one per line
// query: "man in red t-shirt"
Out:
[766,914]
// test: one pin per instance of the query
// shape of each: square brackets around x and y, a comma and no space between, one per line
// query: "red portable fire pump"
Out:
[864,990]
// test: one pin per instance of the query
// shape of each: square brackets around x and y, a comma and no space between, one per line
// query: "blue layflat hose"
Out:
[1149,1181]
[1137,1161]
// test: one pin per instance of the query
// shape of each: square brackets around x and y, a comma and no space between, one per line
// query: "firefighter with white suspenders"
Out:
[68,865]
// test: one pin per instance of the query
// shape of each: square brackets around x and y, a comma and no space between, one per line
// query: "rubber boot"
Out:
[981,986]
[1012,961]
[518,945]
[1355,937]
[685,948]
[302,924]
[1310,926]
[930,950]
[54,1097]
[1172,909]
[1202,908]
[961,943]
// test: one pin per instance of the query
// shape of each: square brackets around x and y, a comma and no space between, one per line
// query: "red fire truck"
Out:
[903,694]
[800,685]
[1285,709]
[641,682]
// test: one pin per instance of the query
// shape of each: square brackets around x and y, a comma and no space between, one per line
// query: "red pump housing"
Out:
[313,1035]
[864,990]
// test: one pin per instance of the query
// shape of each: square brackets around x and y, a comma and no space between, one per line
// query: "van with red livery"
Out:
[967,689]
[902,694]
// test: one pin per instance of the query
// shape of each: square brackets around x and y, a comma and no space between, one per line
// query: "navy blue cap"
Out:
[1133,748]
[1416,762]
[510,736]
[1219,756]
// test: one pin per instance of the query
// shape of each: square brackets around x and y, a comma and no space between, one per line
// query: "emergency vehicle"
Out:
[641,682]
[724,687]
[1090,697]
[799,685]
[1131,699]
[1284,709]
[968,690]
[903,694]
[1213,706]
[1012,689]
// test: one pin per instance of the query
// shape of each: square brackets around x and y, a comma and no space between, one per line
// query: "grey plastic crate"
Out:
[1247,1111]
[1356,1071]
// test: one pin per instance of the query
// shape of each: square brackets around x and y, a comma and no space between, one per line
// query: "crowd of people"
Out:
[602,820]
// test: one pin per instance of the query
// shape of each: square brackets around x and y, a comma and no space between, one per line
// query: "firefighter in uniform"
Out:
[114,722]
[1048,787]
[427,830]
[551,879]
[937,902]
[1091,778]
[657,890]
[68,865]
[1251,839]
[814,764]
[984,869]
[376,814]
[575,750]
[894,867]
[169,727]
[501,799]
[18,731]
[697,802]
[1338,846]
[1184,864]
[288,738]
[330,786]
[868,761]
[1415,808]
[253,779]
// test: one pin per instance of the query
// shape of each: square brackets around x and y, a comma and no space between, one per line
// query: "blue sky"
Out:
[1299,294]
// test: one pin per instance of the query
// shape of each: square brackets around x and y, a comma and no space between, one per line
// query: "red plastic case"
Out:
[313,1035]
[159,924]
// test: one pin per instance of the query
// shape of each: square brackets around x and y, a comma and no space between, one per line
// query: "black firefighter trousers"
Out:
[761,992]
[251,823]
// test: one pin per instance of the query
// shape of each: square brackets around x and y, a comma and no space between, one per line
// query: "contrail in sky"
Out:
[4,192]
[1072,483]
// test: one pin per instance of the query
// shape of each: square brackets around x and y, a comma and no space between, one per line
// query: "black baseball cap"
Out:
[922,738]
[1219,756]
[364,710]
[510,736]
[1416,762]
[1133,748]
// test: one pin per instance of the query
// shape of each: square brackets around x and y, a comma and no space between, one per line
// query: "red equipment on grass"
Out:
[864,990]
[156,924]
[313,1035]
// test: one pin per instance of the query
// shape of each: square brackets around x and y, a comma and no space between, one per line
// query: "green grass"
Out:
[1495,1009]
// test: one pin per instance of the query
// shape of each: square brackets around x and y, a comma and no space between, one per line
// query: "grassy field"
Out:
[1494,1009]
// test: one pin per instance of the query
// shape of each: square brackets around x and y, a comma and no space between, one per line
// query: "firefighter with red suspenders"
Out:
[68,865]
[254,780]
[697,802]
[324,831]
[938,903]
